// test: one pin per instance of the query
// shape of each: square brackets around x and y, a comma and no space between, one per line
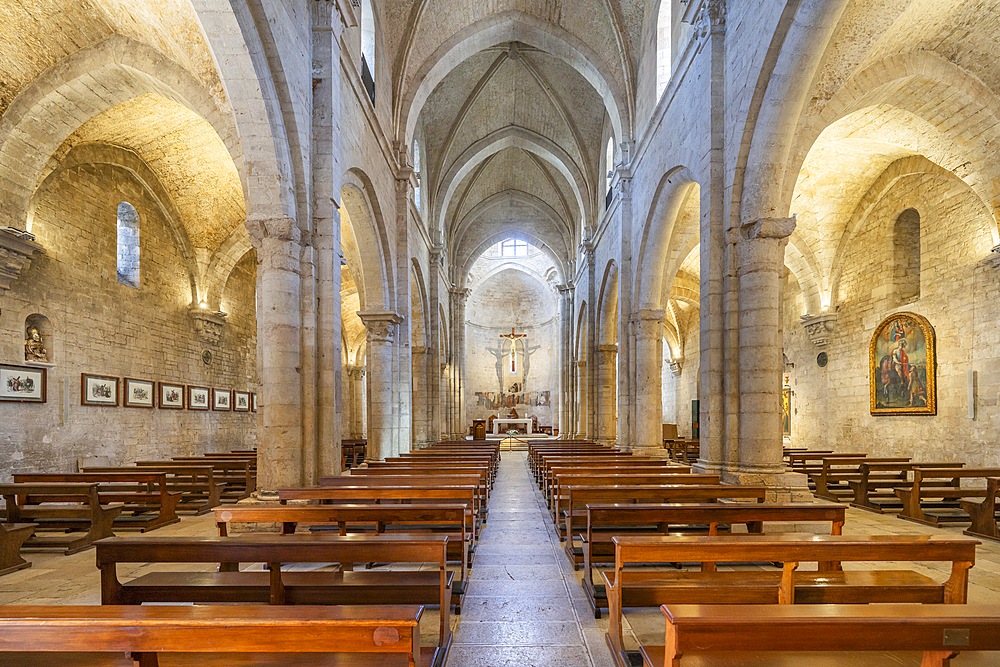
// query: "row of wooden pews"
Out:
[934,493]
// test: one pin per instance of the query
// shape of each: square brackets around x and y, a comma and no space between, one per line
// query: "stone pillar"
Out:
[421,420]
[648,328]
[582,409]
[459,297]
[402,362]
[566,368]
[279,331]
[761,270]
[434,360]
[356,401]
[381,335]
[606,401]
[590,417]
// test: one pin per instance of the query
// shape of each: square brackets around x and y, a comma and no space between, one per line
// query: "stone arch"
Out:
[607,311]
[224,259]
[512,137]
[671,194]
[419,335]
[464,267]
[365,219]
[509,26]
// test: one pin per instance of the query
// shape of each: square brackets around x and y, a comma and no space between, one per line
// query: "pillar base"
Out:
[705,467]
[651,452]
[783,486]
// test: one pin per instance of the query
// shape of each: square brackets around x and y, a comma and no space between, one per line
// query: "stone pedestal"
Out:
[648,329]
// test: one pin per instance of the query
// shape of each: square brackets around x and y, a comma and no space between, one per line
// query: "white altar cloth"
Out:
[525,425]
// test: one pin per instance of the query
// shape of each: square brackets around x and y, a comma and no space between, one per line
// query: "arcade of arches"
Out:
[342,207]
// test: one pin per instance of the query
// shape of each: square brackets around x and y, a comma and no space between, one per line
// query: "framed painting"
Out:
[197,398]
[241,401]
[22,384]
[901,359]
[99,390]
[139,393]
[222,400]
[786,411]
[171,396]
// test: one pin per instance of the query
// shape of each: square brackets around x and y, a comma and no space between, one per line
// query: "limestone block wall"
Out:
[100,326]
[959,286]
[505,298]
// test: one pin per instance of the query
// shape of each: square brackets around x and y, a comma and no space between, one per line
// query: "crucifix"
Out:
[513,337]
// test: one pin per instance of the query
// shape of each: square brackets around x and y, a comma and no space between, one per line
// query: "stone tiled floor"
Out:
[525,604]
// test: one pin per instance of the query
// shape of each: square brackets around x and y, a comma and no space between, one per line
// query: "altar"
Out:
[523,425]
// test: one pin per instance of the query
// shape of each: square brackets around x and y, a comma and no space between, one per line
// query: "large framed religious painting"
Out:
[901,360]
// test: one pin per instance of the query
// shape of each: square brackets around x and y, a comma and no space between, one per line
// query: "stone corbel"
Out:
[17,249]
[819,327]
[208,324]
[993,259]
[381,326]
[675,367]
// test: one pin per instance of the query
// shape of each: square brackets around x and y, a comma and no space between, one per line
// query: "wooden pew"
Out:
[277,587]
[390,631]
[605,521]
[12,536]
[199,490]
[634,462]
[597,476]
[454,521]
[239,474]
[940,631]
[810,463]
[831,482]
[578,497]
[59,507]
[829,584]
[984,514]
[415,477]
[923,487]
[144,497]
[874,489]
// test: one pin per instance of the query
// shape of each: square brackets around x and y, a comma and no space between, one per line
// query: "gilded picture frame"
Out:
[902,361]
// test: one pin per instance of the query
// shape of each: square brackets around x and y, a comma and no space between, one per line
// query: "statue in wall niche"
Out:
[34,350]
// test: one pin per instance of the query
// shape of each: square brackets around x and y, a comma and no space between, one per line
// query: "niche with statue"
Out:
[37,339]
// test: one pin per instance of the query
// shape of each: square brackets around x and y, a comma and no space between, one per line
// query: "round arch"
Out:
[365,221]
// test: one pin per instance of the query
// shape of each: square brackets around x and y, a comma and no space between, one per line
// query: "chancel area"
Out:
[632,333]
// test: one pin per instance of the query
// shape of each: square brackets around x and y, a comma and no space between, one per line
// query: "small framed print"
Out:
[197,398]
[222,400]
[253,402]
[139,393]
[99,390]
[241,401]
[171,396]
[22,384]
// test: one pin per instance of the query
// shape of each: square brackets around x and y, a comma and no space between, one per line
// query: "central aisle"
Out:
[525,605]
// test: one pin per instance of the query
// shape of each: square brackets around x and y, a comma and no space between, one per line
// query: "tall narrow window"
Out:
[906,256]
[609,164]
[664,29]
[368,47]
[128,245]
[416,171]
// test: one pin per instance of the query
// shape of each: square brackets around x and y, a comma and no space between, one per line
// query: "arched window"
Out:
[513,248]
[416,171]
[368,47]
[128,245]
[906,256]
[664,28]
[609,164]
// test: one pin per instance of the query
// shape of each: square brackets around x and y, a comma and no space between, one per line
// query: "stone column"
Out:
[459,297]
[607,400]
[582,410]
[566,369]
[356,400]
[434,360]
[279,331]
[421,420]
[381,335]
[761,253]
[648,328]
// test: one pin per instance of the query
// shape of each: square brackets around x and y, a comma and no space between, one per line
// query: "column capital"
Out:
[648,324]
[608,349]
[768,228]
[819,327]
[676,367]
[588,250]
[380,326]
[460,293]
[566,289]
[581,363]
[282,229]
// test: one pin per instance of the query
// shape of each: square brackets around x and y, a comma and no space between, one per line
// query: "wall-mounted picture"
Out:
[139,393]
[901,359]
[171,396]
[198,398]
[22,384]
[222,400]
[99,390]
[253,402]
[241,401]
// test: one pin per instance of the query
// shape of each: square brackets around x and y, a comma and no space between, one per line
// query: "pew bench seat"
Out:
[12,536]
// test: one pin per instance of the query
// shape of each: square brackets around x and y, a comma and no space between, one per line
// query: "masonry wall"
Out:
[100,326]
[958,295]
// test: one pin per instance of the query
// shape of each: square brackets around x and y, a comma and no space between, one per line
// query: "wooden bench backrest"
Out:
[55,492]
[370,493]
[599,515]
